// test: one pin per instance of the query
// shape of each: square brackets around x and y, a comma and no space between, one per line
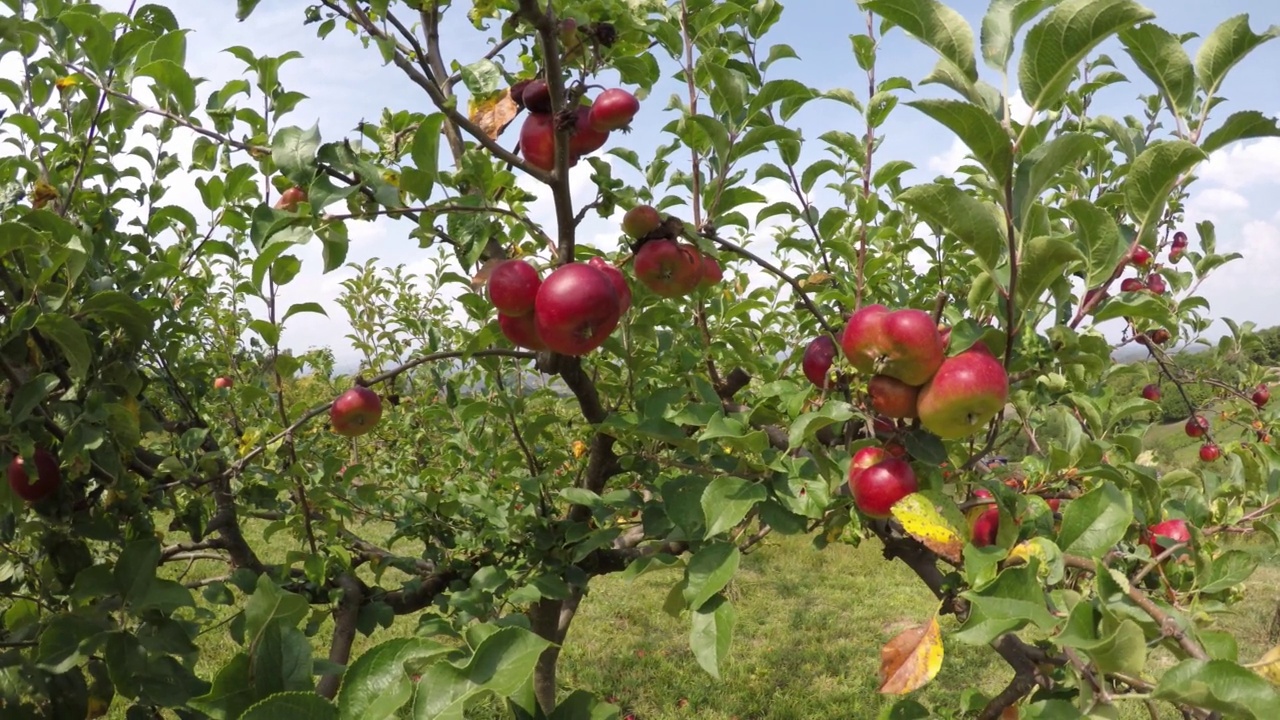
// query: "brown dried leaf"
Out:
[909,661]
[481,278]
[494,113]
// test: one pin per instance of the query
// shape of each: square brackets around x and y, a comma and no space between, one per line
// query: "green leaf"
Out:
[1037,170]
[1057,44]
[806,425]
[1000,28]
[1230,569]
[1137,305]
[503,662]
[232,691]
[63,643]
[1160,56]
[136,569]
[294,152]
[305,307]
[244,8]
[1012,600]
[985,137]
[727,500]
[267,603]
[1227,45]
[974,222]
[709,570]
[30,395]
[70,338]
[934,24]
[294,706]
[118,308]
[1243,125]
[1095,521]
[1098,236]
[582,705]
[1044,260]
[1221,686]
[711,633]
[1152,177]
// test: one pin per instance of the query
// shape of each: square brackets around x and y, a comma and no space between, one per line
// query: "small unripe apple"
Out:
[48,476]
[1132,285]
[1141,256]
[1196,426]
[1261,395]
[1172,531]
[641,220]
[818,358]
[356,412]
[1151,392]
[877,488]
[1210,452]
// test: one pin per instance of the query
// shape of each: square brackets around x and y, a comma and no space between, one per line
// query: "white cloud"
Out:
[1244,165]
[1215,204]
[948,162]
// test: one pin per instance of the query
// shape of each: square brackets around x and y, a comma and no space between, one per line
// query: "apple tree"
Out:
[881,357]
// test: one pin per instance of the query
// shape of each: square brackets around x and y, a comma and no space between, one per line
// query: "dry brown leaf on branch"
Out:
[481,278]
[494,113]
[909,661]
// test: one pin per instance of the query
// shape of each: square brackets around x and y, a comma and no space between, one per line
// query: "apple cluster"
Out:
[571,312]
[666,266]
[1141,258]
[589,125]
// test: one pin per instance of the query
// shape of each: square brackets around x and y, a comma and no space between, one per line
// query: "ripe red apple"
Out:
[641,220]
[985,527]
[521,331]
[1159,336]
[576,309]
[1196,426]
[1176,250]
[1141,256]
[1055,504]
[944,334]
[1156,284]
[967,391]
[613,109]
[537,97]
[863,459]
[1180,238]
[512,286]
[1210,452]
[222,383]
[712,273]
[585,139]
[48,476]
[1173,531]
[1151,392]
[818,358]
[516,91]
[1132,285]
[903,344]
[290,198]
[669,269]
[982,494]
[619,282]
[1261,395]
[356,412]
[538,141]
[877,488]
[892,397]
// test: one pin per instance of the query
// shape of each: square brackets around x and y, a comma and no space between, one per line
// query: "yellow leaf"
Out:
[44,193]
[579,448]
[493,114]
[66,83]
[923,522]
[1269,666]
[909,661]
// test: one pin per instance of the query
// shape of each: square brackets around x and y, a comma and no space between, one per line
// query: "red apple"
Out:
[537,97]
[289,199]
[1054,504]
[1140,256]
[877,488]
[512,286]
[222,383]
[1179,238]
[896,449]
[1172,531]
[863,459]
[985,527]
[521,331]
[1210,452]
[967,391]
[619,282]
[1159,336]
[884,427]
[576,309]
[1132,285]
[1151,392]
[818,358]
[982,494]
[538,141]
[669,269]
[903,344]
[892,397]
[585,139]
[516,91]
[641,220]
[1175,252]
[1196,426]
[356,412]
[48,476]
[1156,284]
[613,109]
[1261,395]
[712,273]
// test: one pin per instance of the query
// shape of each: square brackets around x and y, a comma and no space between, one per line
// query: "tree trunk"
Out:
[550,619]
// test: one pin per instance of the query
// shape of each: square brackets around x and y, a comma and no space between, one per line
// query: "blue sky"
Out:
[1238,190]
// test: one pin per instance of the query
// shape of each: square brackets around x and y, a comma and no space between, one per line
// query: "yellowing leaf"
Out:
[66,83]
[493,113]
[1269,666]
[44,194]
[923,522]
[579,449]
[909,661]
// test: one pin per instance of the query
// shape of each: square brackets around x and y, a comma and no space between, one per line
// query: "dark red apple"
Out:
[619,282]
[289,199]
[877,488]
[222,383]
[965,394]
[1176,250]
[512,286]
[1261,396]
[985,527]
[884,427]
[516,92]
[537,97]
[1180,238]
[356,412]
[521,331]
[1172,531]
[669,269]
[1196,426]
[892,397]
[1151,392]
[585,139]
[1156,284]
[712,273]
[641,220]
[818,358]
[896,449]
[1141,256]
[1132,285]
[1055,504]
[1210,452]
[576,309]
[613,109]
[1159,336]
[48,476]
[538,141]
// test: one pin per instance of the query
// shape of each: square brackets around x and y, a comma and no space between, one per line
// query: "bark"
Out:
[550,619]
[344,632]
